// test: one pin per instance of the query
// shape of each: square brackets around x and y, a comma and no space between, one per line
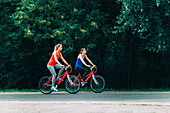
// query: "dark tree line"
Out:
[127,40]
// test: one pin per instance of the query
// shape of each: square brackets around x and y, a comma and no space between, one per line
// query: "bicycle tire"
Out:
[97,88]
[43,87]
[72,88]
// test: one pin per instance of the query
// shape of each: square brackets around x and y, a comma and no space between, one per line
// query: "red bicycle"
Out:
[97,82]
[72,82]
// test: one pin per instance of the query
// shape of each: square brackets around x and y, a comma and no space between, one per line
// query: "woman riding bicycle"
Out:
[80,59]
[54,63]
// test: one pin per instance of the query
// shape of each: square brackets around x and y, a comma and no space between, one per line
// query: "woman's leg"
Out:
[52,70]
[57,66]
[82,70]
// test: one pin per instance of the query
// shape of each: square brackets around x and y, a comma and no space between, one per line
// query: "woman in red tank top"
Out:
[54,63]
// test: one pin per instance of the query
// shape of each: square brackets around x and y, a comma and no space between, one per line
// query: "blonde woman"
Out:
[54,63]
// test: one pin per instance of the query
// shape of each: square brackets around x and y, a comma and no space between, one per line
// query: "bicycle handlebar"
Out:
[67,68]
[93,68]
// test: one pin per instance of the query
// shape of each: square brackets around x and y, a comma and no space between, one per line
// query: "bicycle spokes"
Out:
[45,85]
[97,83]
[72,84]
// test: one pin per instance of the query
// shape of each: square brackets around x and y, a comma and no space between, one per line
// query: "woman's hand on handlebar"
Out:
[94,65]
[69,65]
[88,66]
[63,66]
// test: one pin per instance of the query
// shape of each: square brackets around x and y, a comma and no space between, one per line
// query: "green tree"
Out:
[8,45]
[142,26]
[31,28]
[147,20]
[39,25]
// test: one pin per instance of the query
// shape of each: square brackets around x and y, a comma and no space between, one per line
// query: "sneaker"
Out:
[53,88]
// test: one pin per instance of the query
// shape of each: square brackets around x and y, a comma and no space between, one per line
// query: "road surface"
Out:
[85,102]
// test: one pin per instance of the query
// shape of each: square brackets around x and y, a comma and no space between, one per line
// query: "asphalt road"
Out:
[86,102]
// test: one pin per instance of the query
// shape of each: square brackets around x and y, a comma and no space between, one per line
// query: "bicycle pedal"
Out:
[83,83]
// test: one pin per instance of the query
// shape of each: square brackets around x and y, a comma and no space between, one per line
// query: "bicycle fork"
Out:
[69,79]
[94,78]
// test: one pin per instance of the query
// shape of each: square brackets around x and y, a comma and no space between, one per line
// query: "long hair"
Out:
[82,50]
[56,47]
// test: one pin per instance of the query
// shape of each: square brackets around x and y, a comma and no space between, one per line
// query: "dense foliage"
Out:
[148,20]
[128,40]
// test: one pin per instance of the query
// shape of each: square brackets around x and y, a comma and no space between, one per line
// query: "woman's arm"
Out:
[81,58]
[89,60]
[63,59]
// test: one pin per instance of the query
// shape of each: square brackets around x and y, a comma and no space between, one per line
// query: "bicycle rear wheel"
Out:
[72,84]
[45,84]
[97,84]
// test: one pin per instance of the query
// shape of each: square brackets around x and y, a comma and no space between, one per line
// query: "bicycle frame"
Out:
[62,78]
[87,76]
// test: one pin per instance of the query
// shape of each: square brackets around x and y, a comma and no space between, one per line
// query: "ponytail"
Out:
[56,47]
[81,50]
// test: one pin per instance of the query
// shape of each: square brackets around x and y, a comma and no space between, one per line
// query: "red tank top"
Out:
[52,59]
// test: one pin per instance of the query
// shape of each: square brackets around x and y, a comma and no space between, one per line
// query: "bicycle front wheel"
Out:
[45,84]
[72,84]
[97,83]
